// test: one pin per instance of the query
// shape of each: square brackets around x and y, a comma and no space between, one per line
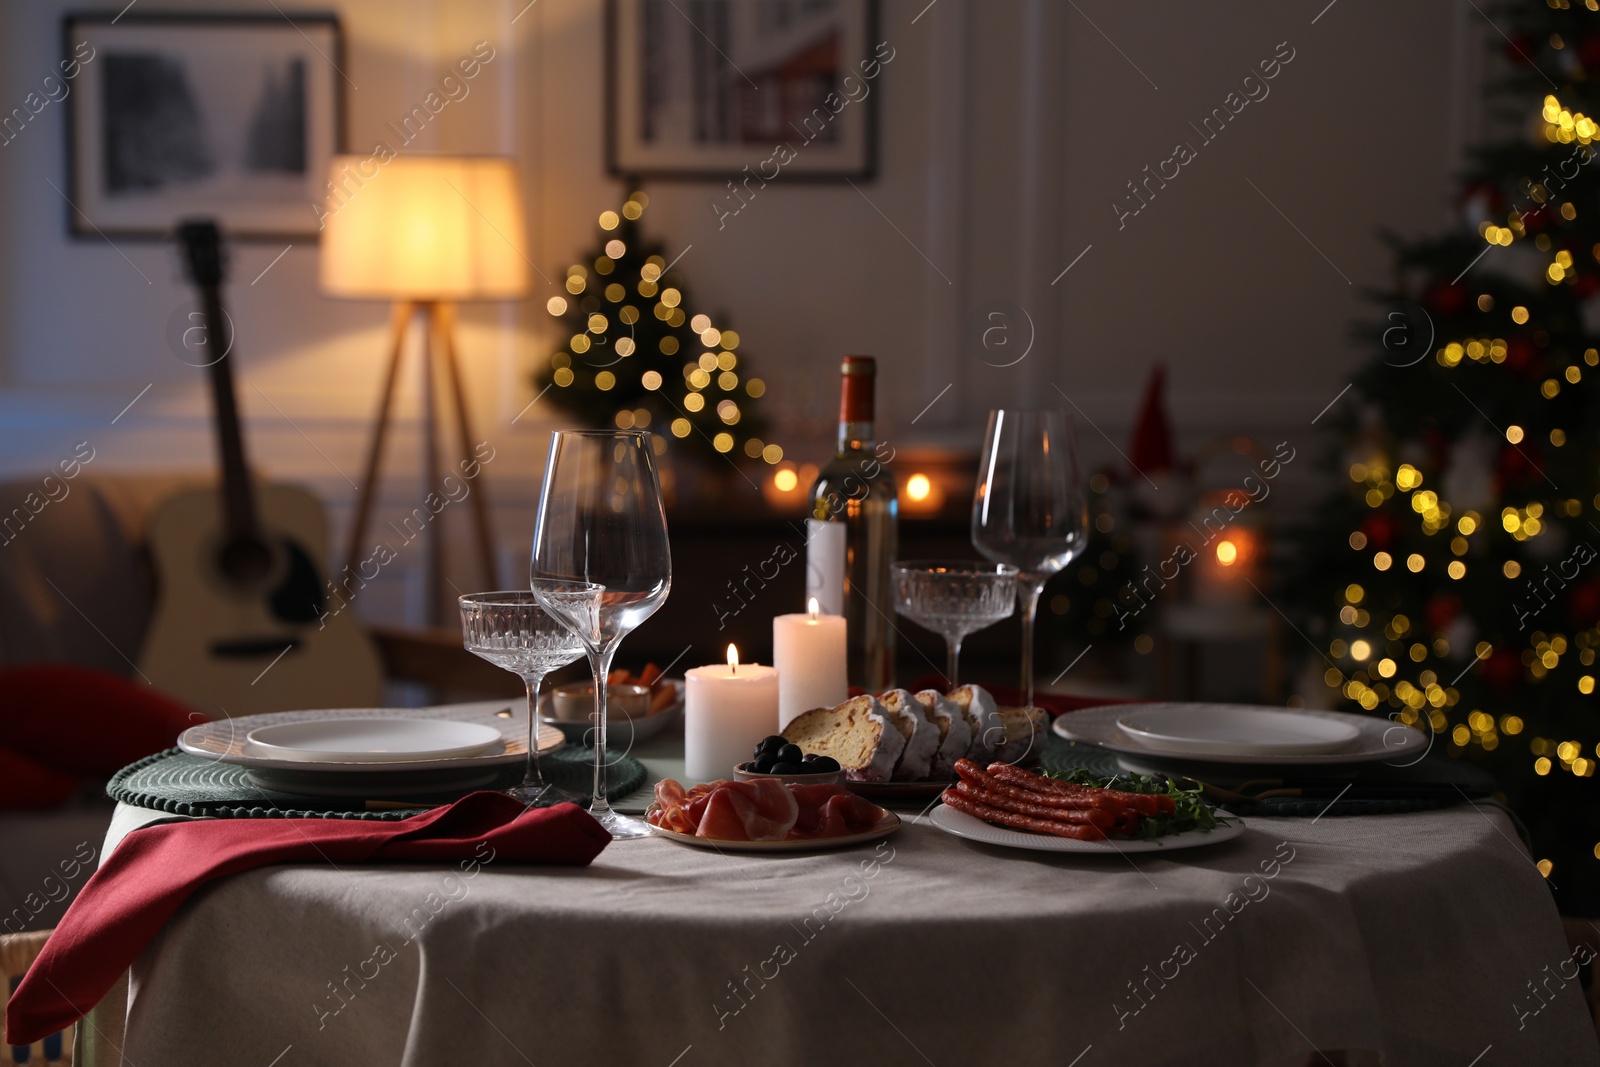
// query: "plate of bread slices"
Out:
[900,744]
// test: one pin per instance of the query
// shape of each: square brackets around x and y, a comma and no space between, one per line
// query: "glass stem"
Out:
[1028,589]
[600,660]
[952,647]
[533,778]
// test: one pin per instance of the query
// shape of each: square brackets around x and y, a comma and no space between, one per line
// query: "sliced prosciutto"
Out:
[759,810]
[763,809]
[832,811]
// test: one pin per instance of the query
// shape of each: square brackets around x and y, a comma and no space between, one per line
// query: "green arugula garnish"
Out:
[1192,812]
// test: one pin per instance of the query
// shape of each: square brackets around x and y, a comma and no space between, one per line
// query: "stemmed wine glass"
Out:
[511,630]
[1030,508]
[601,521]
[954,599]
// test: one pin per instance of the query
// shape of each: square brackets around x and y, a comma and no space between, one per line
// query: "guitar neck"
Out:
[237,494]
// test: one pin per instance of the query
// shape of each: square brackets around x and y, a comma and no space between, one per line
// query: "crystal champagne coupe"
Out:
[954,599]
[511,630]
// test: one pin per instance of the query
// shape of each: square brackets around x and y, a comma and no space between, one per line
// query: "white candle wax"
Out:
[809,652]
[728,707]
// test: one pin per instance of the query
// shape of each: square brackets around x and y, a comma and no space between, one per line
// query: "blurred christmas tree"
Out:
[638,358]
[1083,602]
[1452,583]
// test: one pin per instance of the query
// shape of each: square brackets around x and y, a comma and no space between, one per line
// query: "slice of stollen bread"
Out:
[859,733]
[988,729]
[1023,732]
[920,732]
[955,733]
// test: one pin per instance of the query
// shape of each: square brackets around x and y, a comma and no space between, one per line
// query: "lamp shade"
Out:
[424,228]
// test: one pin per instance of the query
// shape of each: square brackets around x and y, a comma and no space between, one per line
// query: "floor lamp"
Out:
[425,232]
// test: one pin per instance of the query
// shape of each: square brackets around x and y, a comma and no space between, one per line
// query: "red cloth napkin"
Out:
[1055,703]
[154,870]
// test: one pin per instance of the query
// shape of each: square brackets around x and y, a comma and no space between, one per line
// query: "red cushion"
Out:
[85,723]
[26,786]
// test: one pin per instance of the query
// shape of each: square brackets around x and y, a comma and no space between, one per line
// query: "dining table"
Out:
[1418,938]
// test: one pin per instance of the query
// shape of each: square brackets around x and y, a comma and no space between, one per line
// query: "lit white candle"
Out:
[727,709]
[809,652]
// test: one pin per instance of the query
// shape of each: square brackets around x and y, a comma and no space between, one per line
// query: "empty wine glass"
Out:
[511,630]
[1030,509]
[601,521]
[954,599]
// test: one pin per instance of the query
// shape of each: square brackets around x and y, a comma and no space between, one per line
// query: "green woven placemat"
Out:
[180,784]
[1062,755]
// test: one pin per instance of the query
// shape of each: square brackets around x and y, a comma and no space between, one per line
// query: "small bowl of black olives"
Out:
[778,758]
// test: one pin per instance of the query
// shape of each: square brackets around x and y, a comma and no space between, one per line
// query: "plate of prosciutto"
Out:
[766,815]
[1006,805]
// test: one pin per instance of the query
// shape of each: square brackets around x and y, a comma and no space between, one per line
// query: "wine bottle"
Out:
[851,535]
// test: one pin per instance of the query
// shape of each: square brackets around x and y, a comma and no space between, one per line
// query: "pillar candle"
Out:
[727,709]
[809,652]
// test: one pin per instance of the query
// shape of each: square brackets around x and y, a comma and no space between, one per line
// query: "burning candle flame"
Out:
[733,659]
[813,609]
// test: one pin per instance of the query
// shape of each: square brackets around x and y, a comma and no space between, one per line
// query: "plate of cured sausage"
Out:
[1006,805]
[766,815]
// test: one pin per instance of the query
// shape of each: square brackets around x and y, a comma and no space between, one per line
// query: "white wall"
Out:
[1008,127]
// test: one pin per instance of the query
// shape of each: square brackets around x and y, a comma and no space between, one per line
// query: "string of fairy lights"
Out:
[1413,668]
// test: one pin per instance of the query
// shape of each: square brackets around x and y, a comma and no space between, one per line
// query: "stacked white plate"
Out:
[1241,733]
[371,752]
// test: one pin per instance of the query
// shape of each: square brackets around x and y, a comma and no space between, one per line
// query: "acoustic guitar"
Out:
[241,622]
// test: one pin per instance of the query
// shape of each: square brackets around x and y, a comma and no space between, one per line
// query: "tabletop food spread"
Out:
[806,792]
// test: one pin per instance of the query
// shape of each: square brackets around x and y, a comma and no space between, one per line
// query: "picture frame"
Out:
[684,101]
[236,117]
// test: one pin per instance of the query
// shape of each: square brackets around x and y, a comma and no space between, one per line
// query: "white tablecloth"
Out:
[1418,938]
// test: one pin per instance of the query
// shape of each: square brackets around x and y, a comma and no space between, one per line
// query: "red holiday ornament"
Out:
[1584,604]
[1519,464]
[1443,298]
[1380,529]
[1502,670]
[1487,193]
[1519,353]
[1589,51]
[1442,611]
[1520,49]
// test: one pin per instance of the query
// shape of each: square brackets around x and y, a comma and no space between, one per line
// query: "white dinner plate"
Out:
[370,740]
[226,740]
[1376,737]
[972,828]
[1226,730]
[886,826]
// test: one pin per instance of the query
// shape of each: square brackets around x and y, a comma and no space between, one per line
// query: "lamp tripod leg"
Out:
[430,463]
[477,494]
[403,311]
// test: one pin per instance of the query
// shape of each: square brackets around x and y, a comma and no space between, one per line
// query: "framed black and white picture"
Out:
[702,89]
[236,117]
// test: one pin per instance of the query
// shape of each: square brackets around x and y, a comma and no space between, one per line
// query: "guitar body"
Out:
[219,642]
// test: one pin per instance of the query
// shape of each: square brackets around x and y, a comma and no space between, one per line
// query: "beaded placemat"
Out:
[180,784]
